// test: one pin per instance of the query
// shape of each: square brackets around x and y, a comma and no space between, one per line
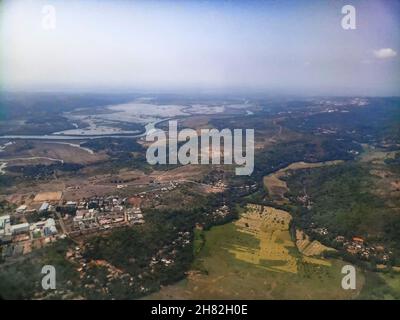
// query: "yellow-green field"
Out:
[309,248]
[255,258]
[271,228]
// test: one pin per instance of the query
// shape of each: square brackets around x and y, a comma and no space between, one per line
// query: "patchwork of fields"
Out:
[271,228]
[255,258]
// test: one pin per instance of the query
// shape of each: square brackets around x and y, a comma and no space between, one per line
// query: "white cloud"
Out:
[385,53]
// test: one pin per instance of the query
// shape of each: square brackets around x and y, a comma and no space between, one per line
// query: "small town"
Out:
[50,217]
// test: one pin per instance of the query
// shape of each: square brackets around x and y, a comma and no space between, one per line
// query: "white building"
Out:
[21,209]
[3,221]
[44,207]
[5,225]
[71,204]
[19,228]
[50,227]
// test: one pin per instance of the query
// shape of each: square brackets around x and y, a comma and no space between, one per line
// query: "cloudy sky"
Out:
[296,46]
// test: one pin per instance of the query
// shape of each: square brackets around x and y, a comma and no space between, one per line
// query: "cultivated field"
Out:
[307,247]
[271,228]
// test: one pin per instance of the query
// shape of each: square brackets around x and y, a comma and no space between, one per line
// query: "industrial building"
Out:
[19,228]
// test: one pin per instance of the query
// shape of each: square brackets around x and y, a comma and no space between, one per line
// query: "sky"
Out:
[294,47]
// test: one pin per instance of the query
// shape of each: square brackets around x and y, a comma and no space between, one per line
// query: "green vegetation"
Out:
[394,162]
[22,279]
[132,249]
[123,152]
[6,207]
[341,199]
[283,154]
[113,146]
[41,171]
[198,241]
[381,286]
[378,121]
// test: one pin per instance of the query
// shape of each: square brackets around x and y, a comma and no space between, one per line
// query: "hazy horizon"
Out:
[271,47]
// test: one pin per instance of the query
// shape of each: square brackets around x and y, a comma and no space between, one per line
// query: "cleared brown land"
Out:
[188,172]
[48,196]
[71,154]
[197,122]
[67,152]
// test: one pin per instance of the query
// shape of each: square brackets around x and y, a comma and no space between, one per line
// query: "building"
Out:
[85,218]
[50,227]
[358,240]
[21,209]
[71,204]
[43,228]
[4,220]
[19,228]
[5,229]
[44,207]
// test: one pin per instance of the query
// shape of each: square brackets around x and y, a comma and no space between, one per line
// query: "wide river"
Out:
[148,127]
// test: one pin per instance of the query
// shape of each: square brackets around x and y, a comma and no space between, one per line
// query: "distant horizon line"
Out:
[185,92]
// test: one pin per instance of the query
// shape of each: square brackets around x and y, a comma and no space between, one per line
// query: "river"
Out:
[61,137]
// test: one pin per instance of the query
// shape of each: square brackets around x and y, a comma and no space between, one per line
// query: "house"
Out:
[351,250]
[358,240]
[339,239]
[138,216]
